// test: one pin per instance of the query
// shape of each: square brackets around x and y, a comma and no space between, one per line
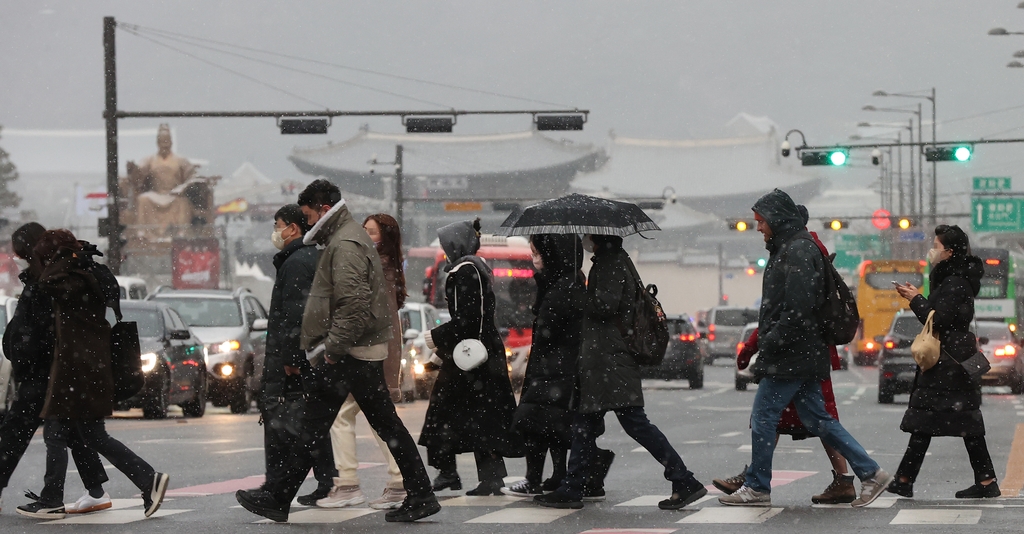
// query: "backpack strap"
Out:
[479,279]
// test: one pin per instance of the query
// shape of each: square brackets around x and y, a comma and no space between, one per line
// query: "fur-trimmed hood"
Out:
[325,227]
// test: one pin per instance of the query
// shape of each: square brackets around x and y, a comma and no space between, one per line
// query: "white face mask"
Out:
[277,239]
[935,255]
[21,263]
[588,244]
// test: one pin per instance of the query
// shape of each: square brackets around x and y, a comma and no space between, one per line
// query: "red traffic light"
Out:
[881,219]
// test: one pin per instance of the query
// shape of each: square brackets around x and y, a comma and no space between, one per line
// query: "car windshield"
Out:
[411,319]
[906,326]
[995,331]
[885,280]
[149,322]
[735,317]
[206,312]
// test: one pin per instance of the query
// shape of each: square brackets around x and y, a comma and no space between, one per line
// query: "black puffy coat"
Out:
[789,335]
[30,336]
[544,412]
[469,410]
[609,377]
[944,401]
[296,265]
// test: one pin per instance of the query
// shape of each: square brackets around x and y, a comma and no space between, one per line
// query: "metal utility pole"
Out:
[935,196]
[399,194]
[899,171]
[913,196]
[110,114]
[721,264]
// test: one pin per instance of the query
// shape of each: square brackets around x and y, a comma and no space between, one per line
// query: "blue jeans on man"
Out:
[773,395]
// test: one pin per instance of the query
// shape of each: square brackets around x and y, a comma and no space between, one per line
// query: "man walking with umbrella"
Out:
[609,375]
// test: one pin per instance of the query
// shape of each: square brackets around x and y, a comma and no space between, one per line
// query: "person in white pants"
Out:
[384,231]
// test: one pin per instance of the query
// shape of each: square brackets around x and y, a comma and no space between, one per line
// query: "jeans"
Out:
[772,397]
[587,427]
[977,451]
[58,437]
[326,390]
[343,438]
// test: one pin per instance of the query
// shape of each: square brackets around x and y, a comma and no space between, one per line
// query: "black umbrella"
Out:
[579,214]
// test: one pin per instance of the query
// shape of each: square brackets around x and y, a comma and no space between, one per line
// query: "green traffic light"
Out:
[761,262]
[837,158]
[962,153]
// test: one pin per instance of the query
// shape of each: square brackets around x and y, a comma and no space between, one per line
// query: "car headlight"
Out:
[221,348]
[226,370]
[413,351]
[148,362]
[418,367]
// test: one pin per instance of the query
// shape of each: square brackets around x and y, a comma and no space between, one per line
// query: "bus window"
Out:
[878,302]
[885,280]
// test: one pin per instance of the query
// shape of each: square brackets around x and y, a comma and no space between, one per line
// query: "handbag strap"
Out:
[928,326]
[479,278]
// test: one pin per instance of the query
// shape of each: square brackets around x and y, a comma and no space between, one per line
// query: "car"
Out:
[172,361]
[745,377]
[684,356]
[132,288]
[232,325]
[1004,354]
[417,318]
[896,365]
[7,306]
[722,328]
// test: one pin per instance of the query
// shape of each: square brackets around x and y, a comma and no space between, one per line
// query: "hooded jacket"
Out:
[30,335]
[789,333]
[347,309]
[558,321]
[469,410]
[296,266]
[944,401]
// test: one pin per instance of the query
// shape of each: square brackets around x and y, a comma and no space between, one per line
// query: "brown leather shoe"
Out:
[729,485]
[840,491]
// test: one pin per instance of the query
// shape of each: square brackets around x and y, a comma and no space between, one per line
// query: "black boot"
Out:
[487,487]
[593,489]
[414,508]
[980,491]
[310,499]
[447,480]
[262,503]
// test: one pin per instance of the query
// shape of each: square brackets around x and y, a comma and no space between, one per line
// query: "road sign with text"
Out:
[988,183]
[996,215]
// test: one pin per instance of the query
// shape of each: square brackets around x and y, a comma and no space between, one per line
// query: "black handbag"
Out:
[125,358]
[976,366]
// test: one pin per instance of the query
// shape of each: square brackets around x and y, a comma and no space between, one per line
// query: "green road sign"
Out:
[852,249]
[986,183]
[996,215]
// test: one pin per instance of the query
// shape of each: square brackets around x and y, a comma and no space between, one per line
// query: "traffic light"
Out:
[949,153]
[751,271]
[835,157]
[762,262]
[740,225]
[836,224]
[904,223]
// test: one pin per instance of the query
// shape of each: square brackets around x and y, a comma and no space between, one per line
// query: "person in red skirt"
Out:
[841,490]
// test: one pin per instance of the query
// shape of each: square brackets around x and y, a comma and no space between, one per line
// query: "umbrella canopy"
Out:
[579,214]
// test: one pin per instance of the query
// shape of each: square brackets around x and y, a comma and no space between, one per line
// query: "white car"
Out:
[132,288]
[7,306]
[417,318]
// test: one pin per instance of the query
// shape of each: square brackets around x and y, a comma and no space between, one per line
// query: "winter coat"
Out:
[81,384]
[791,345]
[469,410]
[609,377]
[31,333]
[296,265]
[347,309]
[944,401]
[393,363]
[544,411]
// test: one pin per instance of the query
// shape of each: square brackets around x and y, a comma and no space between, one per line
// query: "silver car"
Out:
[722,328]
[417,318]
[232,325]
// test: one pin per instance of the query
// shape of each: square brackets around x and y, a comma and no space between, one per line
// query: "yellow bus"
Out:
[878,302]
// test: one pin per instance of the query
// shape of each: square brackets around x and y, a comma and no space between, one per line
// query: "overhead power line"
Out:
[167,33]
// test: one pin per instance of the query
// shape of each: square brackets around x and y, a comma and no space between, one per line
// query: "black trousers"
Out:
[326,390]
[977,451]
[490,467]
[93,432]
[587,427]
[535,456]
[59,437]
[20,424]
[283,404]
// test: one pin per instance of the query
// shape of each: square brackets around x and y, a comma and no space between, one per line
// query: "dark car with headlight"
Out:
[232,325]
[684,355]
[896,365]
[172,361]
[1003,351]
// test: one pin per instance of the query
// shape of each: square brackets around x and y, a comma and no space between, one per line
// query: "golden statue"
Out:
[164,195]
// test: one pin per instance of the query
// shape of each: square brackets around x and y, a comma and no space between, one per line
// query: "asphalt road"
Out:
[209,458]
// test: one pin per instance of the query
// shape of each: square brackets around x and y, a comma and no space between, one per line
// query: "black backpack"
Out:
[648,335]
[839,316]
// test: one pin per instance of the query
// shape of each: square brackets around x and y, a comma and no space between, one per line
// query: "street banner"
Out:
[196,263]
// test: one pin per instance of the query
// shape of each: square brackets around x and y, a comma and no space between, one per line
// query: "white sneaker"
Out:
[87,503]
[342,496]
[391,499]
[746,496]
[871,488]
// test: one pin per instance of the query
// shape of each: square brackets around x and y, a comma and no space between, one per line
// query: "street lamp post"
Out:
[920,151]
[885,171]
[910,128]
[934,192]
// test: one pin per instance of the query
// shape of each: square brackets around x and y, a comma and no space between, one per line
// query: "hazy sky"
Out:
[645,69]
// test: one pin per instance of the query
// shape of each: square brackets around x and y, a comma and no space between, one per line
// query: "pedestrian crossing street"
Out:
[498,510]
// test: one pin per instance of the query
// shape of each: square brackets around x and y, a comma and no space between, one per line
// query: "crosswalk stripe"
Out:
[533,515]
[313,516]
[881,502]
[630,531]
[653,500]
[936,517]
[731,515]
[488,500]
[111,517]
